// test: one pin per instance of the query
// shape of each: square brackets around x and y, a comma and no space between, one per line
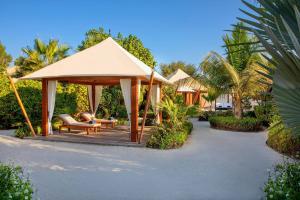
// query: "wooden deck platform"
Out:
[118,136]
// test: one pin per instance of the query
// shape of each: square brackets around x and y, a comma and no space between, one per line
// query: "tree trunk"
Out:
[238,110]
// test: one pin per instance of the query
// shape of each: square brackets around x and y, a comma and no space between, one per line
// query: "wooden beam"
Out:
[45,128]
[134,109]
[21,105]
[147,106]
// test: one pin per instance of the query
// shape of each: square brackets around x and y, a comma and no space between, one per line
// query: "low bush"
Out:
[284,182]
[204,115]
[168,138]
[264,113]
[232,123]
[13,183]
[281,138]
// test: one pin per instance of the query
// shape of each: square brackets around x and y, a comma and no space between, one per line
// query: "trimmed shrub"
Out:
[232,123]
[167,138]
[13,183]
[204,115]
[281,138]
[284,182]
[69,99]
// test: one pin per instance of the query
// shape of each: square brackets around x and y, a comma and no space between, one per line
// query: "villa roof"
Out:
[106,59]
[177,75]
[184,82]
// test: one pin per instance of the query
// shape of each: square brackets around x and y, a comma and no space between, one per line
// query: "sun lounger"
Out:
[88,117]
[70,123]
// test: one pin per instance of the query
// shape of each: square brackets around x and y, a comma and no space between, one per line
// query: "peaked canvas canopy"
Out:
[184,82]
[106,63]
[106,59]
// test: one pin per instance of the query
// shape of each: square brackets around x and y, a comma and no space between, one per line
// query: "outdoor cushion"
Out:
[68,120]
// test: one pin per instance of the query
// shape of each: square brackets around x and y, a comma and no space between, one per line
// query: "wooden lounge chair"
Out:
[70,123]
[88,117]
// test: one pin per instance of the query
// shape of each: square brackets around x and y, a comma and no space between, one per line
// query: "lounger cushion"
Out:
[68,120]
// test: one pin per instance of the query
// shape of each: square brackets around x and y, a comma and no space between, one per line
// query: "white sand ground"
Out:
[213,164]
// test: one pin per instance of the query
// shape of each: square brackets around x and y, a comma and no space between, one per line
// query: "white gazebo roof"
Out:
[106,59]
[177,75]
[184,82]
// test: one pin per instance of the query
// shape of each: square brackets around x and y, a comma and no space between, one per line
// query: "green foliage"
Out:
[112,103]
[281,138]
[168,69]
[69,99]
[5,59]
[165,137]
[40,55]
[232,123]
[22,132]
[284,182]
[276,25]
[240,67]
[212,94]
[13,184]
[264,113]
[174,130]
[10,112]
[204,115]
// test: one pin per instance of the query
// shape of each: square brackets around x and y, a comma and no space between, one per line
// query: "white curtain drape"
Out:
[155,99]
[98,95]
[126,91]
[51,102]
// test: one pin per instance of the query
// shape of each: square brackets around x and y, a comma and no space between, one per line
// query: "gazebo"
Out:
[187,86]
[104,64]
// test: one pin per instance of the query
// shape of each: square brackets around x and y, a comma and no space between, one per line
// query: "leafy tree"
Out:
[131,43]
[277,26]
[5,58]
[41,55]
[168,69]
[240,65]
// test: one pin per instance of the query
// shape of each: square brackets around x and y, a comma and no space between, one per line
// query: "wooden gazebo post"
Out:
[45,129]
[134,109]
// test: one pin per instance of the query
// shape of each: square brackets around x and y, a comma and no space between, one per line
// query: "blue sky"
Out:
[172,29]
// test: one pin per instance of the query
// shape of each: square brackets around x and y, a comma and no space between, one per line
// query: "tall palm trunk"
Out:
[238,110]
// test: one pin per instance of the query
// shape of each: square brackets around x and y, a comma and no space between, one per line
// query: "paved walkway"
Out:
[213,164]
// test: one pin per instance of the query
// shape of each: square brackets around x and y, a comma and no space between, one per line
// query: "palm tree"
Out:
[211,96]
[277,26]
[240,65]
[40,55]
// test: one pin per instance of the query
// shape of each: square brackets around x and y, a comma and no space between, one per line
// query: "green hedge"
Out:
[165,138]
[13,183]
[69,99]
[281,138]
[232,123]
[204,115]
[284,182]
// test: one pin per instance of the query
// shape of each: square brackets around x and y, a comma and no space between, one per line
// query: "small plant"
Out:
[284,182]
[232,123]
[22,131]
[174,131]
[13,184]
[167,138]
